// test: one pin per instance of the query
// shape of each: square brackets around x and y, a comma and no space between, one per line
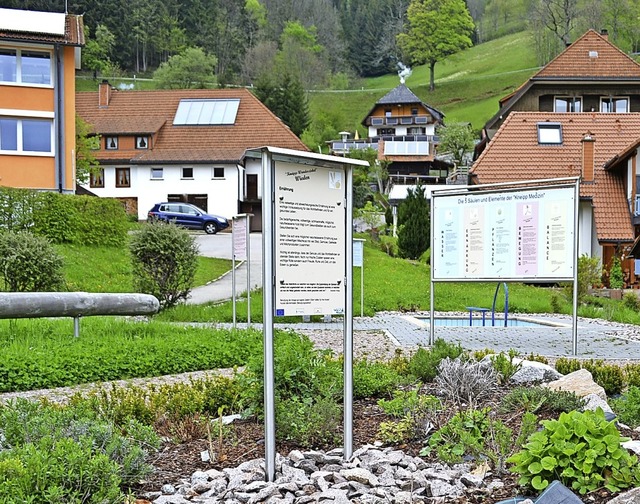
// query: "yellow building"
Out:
[39,53]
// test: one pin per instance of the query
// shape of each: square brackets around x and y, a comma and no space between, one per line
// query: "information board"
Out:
[310,254]
[239,232]
[358,253]
[523,234]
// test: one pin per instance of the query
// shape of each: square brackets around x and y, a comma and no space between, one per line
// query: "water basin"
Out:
[515,321]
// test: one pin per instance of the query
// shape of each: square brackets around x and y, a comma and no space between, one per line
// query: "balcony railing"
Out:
[395,120]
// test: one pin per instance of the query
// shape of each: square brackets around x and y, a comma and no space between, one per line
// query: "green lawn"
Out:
[104,269]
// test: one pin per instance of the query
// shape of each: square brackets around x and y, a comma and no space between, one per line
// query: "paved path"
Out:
[597,339]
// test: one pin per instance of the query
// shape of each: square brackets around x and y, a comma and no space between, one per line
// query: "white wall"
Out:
[587,238]
[221,193]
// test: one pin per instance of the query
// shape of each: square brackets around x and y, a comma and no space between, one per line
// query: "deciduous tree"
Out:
[191,69]
[457,139]
[86,145]
[437,29]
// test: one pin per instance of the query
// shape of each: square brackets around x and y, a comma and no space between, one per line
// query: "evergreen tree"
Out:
[286,99]
[413,219]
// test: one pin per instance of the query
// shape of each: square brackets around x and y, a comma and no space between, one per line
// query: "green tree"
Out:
[437,29]
[193,68]
[286,99]
[413,221]
[86,145]
[164,258]
[96,55]
[457,139]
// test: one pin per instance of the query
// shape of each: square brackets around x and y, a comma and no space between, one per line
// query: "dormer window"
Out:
[614,104]
[142,142]
[567,104]
[111,143]
[549,133]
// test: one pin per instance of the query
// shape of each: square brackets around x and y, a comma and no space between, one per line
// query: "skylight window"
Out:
[206,112]
[549,133]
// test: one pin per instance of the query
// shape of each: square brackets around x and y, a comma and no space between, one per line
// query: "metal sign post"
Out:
[307,259]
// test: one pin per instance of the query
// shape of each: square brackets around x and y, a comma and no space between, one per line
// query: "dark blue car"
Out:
[189,216]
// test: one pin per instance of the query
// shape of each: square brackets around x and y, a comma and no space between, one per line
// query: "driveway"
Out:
[220,245]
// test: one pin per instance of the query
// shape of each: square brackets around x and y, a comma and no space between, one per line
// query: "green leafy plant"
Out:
[374,379]
[394,432]
[540,399]
[589,275]
[627,407]
[631,301]
[29,263]
[307,421]
[424,363]
[616,278]
[632,374]
[581,450]
[165,259]
[416,412]
[505,366]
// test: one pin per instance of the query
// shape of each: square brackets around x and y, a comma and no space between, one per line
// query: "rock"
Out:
[632,445]
[630,497]
[533,372]
[363,476]
[593,401]
[168,489]
[579,382]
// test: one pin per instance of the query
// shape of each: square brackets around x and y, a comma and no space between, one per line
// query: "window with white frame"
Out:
[218,173]
[616,104]
[142,142]
[111,143]
[187,173]
[26,136]
[549,133]
[567,104]
[157,173]
[24,66]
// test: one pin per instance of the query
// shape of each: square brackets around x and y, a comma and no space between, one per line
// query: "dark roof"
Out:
[139,112]
[401,94]
[73,33]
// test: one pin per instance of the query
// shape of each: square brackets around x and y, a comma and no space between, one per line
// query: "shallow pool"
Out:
[499,322]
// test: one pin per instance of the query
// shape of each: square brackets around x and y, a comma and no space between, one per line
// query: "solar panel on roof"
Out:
[51,23]
[206,112]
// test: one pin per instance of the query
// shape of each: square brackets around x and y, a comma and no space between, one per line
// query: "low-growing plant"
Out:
[389,244]
[566,366]
[463,435]
[631,301]
[424,363]
[581,450]
[632,374]
[416,411]
[394,432]
[374,379]
[627,407]
[556,303]
[505,366]
[309,422]
[481,354]
[406,402]
[537,358]
[540,399]
[465,382]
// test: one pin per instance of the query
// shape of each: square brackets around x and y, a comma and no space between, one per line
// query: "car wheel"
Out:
[211,228]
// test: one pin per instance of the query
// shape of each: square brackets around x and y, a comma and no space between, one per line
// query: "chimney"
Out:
[104,94]
[604,34]
[588,142]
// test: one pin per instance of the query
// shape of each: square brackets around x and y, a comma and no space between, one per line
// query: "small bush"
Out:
[581,450]
[540,399]
[504,365]
[389,245]
[165,259]
[627,407]
[309,422]
[589,275]
[374,379]
[29,263]
[566,366]
[616,278]
[466,383]
[424,363]
[631,301]
[632,375]
[416,412]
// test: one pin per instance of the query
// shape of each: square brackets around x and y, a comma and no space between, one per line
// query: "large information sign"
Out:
[524,234]
[309,246]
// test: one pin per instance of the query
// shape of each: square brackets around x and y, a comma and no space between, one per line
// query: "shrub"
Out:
[309,422]
[631,301]
[389,245]
[413,219]
[589,275]
[632,374]
[416,413]
[374,379]
[504,365]
[424,363]
[465,382]
[581,450]
[29,263]
[616,278]
[540,399]
[627,407]
[165,259]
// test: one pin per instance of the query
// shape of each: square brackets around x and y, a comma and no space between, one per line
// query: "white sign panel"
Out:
[310,255]
[521,234]
[240,237]
[358,253]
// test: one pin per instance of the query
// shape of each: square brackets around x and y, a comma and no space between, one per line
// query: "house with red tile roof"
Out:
[600,148]
[402,128]
[181,145]
[39,54]
[590,75]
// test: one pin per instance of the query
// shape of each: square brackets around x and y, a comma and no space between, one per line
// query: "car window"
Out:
[173,208]
[162,208]
[188,210]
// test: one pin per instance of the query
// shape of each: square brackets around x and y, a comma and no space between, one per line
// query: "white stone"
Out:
[593,401]
[579,382]
[360,475]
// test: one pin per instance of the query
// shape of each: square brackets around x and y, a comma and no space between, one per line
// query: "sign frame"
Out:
[526,185]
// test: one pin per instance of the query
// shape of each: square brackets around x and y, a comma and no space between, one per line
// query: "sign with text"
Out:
[523,234]
[358,253]
[239,232]
[309,245]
